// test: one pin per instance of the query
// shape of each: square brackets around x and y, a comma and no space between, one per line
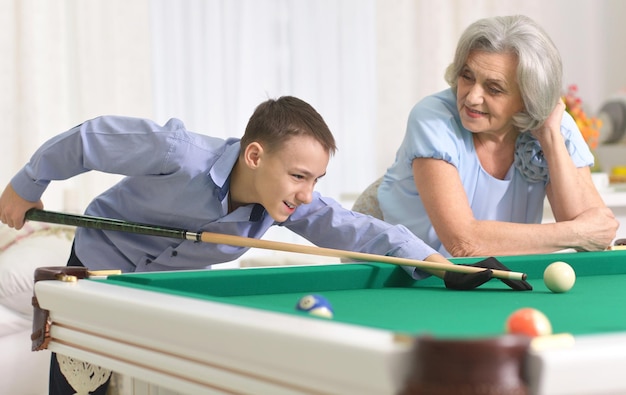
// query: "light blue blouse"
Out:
[435,131]
[181,179]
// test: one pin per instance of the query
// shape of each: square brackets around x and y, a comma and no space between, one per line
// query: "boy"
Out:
[180,179]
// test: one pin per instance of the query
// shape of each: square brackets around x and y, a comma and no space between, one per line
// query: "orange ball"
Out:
[528,321]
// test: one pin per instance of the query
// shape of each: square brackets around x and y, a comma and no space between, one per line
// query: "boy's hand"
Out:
[13,208]
[466,281]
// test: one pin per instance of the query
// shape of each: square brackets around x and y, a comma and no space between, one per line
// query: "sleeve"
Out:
[433,132]
[325,223]
[576,145]
[117,145]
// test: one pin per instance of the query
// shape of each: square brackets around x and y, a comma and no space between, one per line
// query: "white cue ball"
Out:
[559,277]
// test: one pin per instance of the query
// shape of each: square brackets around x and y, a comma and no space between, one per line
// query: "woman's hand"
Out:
[596,229]
[13,208]
[552,125]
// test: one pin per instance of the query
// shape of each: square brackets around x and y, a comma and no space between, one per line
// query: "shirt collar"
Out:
[220,174]
[223,166]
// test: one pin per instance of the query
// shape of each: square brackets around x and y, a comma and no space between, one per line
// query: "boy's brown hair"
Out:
[277,120]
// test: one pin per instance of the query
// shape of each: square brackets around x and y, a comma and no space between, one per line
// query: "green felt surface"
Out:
[383,296]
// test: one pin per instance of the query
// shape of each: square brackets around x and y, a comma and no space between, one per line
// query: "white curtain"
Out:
[361,63]
[65,61]
[215,61]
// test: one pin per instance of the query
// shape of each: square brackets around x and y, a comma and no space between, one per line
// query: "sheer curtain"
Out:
[65,61]
[362,64]
[215,61]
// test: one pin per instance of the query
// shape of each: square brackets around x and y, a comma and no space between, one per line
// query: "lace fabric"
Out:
[82,376]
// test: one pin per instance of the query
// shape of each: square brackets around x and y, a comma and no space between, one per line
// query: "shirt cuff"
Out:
[415,250]
[28,188]
[416,273]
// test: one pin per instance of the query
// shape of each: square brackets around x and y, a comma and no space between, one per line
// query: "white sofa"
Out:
[25,372]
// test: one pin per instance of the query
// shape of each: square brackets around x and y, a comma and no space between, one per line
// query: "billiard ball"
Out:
[528,321]
[559,277]
[315,305]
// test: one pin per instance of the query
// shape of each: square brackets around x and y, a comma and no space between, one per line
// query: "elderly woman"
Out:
[479,158]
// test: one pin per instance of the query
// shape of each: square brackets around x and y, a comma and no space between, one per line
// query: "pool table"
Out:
[237,331]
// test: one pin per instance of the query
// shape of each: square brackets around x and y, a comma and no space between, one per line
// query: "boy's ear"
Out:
[252,154]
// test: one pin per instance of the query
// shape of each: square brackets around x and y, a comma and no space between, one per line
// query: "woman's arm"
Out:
[446,203]
[570,189]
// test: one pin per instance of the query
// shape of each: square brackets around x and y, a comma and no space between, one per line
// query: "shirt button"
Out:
[174,253]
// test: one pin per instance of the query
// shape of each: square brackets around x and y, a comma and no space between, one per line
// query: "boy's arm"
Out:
[117,145]
[325,223]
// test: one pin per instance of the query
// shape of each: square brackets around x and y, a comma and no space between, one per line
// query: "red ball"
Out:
[528,321]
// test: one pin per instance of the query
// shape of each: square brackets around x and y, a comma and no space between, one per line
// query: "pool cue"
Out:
[86,221]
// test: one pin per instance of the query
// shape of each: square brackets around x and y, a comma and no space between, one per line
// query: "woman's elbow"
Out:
[462,248]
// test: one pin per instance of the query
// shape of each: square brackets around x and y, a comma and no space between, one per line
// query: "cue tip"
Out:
[509,275]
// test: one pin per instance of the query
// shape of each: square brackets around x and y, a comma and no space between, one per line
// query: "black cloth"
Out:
[467,281]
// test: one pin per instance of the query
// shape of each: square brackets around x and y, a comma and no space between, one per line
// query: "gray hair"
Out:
[539,69]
